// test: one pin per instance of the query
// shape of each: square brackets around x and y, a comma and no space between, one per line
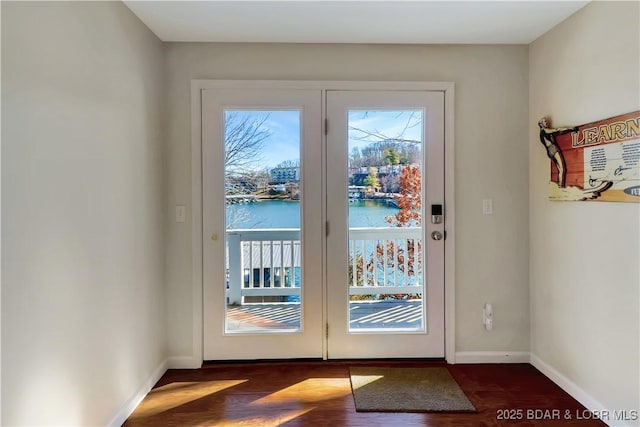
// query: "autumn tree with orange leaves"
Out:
[410,199]
[410,215]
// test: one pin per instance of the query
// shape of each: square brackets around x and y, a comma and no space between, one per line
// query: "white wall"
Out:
[82,197]
[491,161]
[584,255]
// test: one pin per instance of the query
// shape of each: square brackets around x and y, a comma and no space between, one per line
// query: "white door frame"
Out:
[195,359]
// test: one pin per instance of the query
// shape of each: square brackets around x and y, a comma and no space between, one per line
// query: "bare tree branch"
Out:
[375,135]
[243,142]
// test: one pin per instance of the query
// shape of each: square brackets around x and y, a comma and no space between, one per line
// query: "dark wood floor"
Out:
[319,394]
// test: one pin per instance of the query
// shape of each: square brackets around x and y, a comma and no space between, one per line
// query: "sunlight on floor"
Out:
[283,417]
[176,394]
[367,379]
[309,391]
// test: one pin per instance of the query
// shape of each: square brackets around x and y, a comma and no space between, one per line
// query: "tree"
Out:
[355,160]
[410,203]
[389,183]
[386,152]
[410,199]
[391,156]
[244,138]
[372,179]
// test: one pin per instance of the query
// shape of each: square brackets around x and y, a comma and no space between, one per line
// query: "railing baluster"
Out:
[365,276]
[292,270]
[420,278]
[272,274]
[285,268]
[363,271]
[283,281]
[374,259]
[414,254]
[395,262]
[236,269]
[251,264]
[385,269]
[406,263]
[261,271]
[354,268]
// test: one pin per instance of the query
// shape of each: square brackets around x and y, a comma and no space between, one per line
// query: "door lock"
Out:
[436,214]
[436,235]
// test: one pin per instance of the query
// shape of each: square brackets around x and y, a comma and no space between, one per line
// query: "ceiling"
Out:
[346,21]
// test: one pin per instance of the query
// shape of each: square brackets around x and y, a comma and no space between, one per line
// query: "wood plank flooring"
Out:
[319,394]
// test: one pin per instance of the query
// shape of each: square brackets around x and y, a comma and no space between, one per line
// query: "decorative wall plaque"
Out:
[596,161]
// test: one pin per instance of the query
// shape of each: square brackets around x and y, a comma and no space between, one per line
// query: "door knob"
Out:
[436,235]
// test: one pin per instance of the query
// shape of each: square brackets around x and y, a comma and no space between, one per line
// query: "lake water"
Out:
[286,214]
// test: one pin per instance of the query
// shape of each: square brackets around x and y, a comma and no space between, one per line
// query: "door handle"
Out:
[436,235]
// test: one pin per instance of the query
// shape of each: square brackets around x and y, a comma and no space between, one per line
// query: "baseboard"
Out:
[492,357]
[576,392]
[132,403]
[184,362]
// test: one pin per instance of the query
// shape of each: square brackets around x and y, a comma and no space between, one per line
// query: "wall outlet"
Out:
[487,206]
[487,316]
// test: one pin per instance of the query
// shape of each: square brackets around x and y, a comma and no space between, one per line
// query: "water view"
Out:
[384,267]
[286,214]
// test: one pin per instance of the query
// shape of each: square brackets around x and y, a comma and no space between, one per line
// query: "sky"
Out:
[283,142]
[403,124]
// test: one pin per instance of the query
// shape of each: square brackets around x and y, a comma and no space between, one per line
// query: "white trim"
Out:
[450,225]
[492,357]
[196,219]
[197,85]
[574,390]
[132,403]
[321,85]
[184,362]
[324,204]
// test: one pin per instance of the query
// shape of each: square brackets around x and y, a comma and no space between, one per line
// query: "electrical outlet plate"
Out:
[487,206]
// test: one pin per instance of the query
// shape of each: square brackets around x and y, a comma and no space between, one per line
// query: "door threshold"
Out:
[395,360]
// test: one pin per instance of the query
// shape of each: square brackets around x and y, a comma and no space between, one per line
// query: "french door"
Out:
[262,216]
[319,239]
[385,273]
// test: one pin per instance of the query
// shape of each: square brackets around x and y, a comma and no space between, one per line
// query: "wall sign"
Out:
[595,161]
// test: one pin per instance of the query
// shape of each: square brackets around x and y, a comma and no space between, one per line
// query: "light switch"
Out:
[487,206]
[181,213]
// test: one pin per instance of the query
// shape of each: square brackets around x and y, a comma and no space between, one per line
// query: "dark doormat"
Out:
[407,390]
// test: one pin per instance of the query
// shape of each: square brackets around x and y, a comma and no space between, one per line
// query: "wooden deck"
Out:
[398,314]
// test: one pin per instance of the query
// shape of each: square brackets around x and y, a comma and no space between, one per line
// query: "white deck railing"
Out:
[266,262]
[386,260]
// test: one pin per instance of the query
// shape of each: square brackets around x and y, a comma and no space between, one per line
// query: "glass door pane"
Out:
[385,163]
[262,220]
